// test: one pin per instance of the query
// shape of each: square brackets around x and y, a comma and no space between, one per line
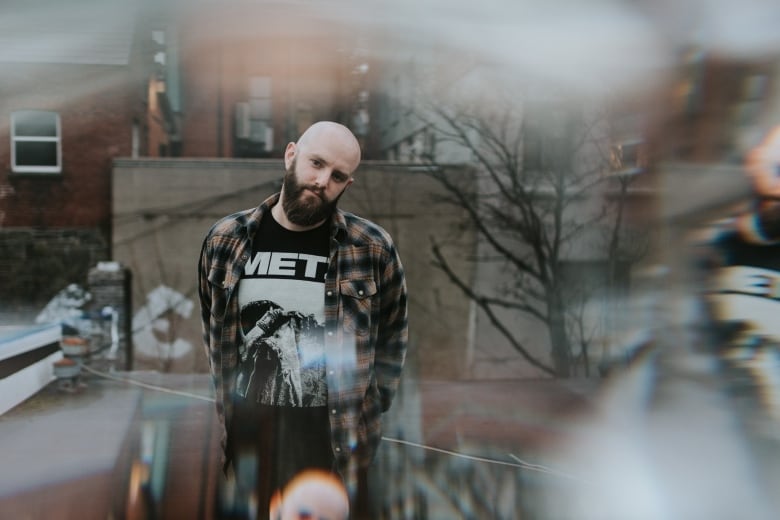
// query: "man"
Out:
[305,323]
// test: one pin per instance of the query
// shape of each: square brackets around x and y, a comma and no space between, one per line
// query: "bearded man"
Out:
[298,258]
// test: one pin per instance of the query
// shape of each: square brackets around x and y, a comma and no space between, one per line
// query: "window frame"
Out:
[57,139]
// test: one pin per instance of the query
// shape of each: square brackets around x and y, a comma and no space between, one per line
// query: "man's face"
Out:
[306,204]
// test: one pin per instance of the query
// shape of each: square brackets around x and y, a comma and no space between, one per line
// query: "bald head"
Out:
[319,169]
[338,138]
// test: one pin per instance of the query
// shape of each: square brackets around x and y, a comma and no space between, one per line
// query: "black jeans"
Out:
[270,445]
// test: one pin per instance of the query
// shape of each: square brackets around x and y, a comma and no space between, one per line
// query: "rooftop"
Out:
[62,445]
[74,32]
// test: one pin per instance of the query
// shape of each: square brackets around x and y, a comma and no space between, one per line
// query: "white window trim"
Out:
[57,138]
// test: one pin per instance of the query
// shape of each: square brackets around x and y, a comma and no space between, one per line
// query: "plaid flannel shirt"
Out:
[365,325]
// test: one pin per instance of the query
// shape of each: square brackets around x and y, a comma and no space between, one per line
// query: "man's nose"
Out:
[322,178]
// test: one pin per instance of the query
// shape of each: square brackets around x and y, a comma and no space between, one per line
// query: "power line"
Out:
[192,207]
[518,464]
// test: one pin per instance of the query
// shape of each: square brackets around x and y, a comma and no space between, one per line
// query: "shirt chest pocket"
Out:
[357,299]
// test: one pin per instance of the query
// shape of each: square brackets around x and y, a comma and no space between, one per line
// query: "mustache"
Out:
[320,192]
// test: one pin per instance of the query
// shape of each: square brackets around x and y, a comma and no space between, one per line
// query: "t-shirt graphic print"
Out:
[281,358]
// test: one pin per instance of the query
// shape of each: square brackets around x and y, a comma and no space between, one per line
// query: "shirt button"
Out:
[330,333]
[333,411]
[360,292]
[331,372]
[338,450]
[244,257]
[329,293]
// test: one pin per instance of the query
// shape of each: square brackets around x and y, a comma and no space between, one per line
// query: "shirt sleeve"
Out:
[392,339]
[213,351]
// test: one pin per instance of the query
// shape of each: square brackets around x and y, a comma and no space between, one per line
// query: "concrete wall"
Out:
[162,209]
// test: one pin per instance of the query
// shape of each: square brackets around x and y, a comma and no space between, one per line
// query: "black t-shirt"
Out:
[281,386]
[282,317]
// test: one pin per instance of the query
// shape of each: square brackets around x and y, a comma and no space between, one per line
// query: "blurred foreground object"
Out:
[311,494]
[741,292]
[762,166]
[702,392]
[761,225]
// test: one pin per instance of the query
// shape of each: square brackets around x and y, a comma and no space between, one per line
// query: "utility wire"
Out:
[518,464]
[146,385]
[190,207]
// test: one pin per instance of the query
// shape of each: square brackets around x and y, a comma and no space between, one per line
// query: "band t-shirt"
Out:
[280,384]
[282,317]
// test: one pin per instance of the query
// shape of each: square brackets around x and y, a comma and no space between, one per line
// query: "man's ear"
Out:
[347,185]
[289,155]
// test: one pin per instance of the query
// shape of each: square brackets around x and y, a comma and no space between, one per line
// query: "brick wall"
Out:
[55,226]
[36,264]
[221,50]
[95,106]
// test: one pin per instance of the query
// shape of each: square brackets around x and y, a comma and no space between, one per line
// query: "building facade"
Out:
[70,104]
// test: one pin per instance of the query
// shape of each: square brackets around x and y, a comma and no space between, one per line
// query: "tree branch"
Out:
[482,302]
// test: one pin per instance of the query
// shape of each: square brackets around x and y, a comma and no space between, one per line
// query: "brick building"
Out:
[89,82]
[242,80]
[70,104]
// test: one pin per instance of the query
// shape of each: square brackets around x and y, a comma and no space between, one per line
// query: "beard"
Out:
[301,209]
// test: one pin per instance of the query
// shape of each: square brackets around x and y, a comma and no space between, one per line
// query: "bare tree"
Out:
[536,200]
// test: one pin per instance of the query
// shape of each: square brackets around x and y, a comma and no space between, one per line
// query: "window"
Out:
[585,279]
[533,153]
[748,109]
[547,141]
[628,157]
[254,125]
[35,142]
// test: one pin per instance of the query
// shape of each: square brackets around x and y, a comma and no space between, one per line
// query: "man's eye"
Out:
[316,163]
[339,177]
